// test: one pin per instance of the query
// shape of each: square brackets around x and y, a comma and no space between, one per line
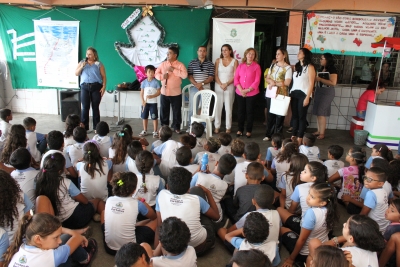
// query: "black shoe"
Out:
[91,249]
[290,130]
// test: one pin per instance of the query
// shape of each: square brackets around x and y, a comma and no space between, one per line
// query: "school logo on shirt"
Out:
[176,200]
[233,32]
[118,208]
[335,164]
[244,170]
[23,259]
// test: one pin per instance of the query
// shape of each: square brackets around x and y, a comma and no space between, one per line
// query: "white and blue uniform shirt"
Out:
[154,185]
[68,163]
[300,194]
[26,180]
[361,257]
[230,178]
[213,158]
[23,206]
[312,152]
[31,142]
[224,150]
[167,150]
[269,248]
[377,201]
[4,243]
[187,258]
[315,221]
[66,192]
[150,88]
[104,143]
[75,152]
[281,168]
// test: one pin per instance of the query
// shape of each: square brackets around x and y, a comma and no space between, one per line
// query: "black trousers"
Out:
[299,113]
[246,112]
[274,122]
[166,102]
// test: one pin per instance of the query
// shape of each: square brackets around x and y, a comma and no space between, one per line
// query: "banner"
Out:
[239,33]
[347,35]
[56,44]
[189,28]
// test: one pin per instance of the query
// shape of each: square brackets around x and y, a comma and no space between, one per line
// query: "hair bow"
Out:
[120,182]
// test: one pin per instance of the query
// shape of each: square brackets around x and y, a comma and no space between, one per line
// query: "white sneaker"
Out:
[143,133]
[155,134]
[266,139]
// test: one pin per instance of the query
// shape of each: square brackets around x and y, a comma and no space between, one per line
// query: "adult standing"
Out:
[93,86]
[225,68]
[325,93]
[369,96]
[247,80]
[303,85]
[280,75]
[200,74]
[170,73]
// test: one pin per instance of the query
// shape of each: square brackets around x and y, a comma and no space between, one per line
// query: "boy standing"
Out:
[150,90]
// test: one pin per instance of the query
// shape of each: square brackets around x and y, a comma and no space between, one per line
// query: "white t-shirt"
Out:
[213,183]
[362,258]
[187,258]
[31,141]
[186,207]
[333,165]
[230,178]
[26,180]
[130,166]
[5,129]
[280,167]
[167,150]
[75,152]
[377,201]
[312,152]
[95,187]
[212,159]
[23,206]
[285,182]
[104,142]
[240,174]
[267,247]
[66,192]
[117,167]
[191,167]
[314,220]
[68,141]
[301,81]
[199,146]
[154,185]
[224,150]
[120,217]
[68,163]
[150,88]
[300,194]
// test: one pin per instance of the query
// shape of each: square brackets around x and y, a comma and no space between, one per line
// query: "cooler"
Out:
[356,124]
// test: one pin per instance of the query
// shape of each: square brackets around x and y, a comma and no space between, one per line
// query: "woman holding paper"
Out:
[303,85]
[278,78]
[325,92]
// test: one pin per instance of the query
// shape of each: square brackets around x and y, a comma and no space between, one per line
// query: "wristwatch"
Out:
[202,84]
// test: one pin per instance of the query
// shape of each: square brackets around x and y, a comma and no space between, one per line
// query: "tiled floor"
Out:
[219,256]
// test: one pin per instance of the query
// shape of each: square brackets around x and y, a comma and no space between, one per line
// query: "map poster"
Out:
[239,33]
[56,44]
[347,35]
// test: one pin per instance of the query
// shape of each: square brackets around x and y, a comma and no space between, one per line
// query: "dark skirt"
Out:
[322,101]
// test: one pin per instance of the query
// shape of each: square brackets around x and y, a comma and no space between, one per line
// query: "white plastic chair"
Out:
[206,96]
[185,105]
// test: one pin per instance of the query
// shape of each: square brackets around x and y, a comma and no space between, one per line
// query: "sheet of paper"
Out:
[271,93]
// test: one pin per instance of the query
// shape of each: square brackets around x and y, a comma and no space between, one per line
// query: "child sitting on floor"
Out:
[198,130]
[185,160]
[71,122]
[308,148]
[167,152]
[225,140]
[333,163]
[5,125]
[379,151]
[102,138]
[237,150]
[118,150]
[250,258]
[36,141]
[272,152]
[164,134]
[211,148]
[188,140]
[75,151]
[281,163]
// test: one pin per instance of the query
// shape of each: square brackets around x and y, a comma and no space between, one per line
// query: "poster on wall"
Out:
[56,44]
[347,35]
[239,33]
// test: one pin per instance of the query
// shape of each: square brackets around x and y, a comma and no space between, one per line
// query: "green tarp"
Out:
[101,29]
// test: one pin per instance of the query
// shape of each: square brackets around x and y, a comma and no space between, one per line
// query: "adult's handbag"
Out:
[280,105]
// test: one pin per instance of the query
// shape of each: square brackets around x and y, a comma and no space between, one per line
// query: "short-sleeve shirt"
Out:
[75,152]
[243,199]
[333,165]
[23,206]
[154,185]
[224,150]
[367,96]
[68,163]
[300,194]
[201,71]
[26,180]
[4,243]
[150,88]
[331,69]
[351,185]
[271,153]
[285,182]
[314,220]
[167,150]
[361,257]
[377,201]
[187,258]
[104,142]
[66,192]
[312,152]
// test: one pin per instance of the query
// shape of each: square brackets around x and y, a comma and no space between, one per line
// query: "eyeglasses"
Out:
[369,179]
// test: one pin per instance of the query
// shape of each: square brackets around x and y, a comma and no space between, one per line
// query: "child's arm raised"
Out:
[212,212]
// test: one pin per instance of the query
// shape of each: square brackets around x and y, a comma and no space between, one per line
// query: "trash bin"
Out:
[360,137]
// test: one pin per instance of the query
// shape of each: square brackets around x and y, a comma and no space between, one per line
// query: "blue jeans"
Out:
[192,91]
[79,255]
[90,93]
[361,113]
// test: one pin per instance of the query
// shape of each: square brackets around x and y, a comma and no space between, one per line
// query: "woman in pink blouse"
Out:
[247,80]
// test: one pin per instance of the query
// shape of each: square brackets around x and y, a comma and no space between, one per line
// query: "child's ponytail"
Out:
[359,156]
[143,172]
[318,170]
[92,158]
[326,194]
[144,162]
[384,151]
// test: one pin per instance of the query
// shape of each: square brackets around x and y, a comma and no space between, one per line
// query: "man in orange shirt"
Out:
[170,73]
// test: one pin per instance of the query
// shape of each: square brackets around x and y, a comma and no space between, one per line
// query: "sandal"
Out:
[321,136]
[239,134]
[316,134]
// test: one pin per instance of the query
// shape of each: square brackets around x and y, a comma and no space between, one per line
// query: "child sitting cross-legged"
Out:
[75,151]
[225,140]
[213,181]
[281,163]
[102,138]
[392,234]
[308,148]
[379,151]
[197,130]
[118,150]
[211,148]
[191,208]
[237,150]
[36,141]
[333,163]
[134,148]
[273,150]
[185,160]
[173,249]
[164,134]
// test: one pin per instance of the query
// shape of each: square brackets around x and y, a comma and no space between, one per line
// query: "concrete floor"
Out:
[219,256]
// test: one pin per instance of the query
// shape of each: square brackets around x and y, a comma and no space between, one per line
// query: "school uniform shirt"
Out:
[154,185]
[213,183]
[104,143]
[274,223]
[68,163]
[23,206]
[130,166]
[300,194]
[94,187]
[230,178]
[120,219]
[191,167]
[200,142]
[75,152]
[280,168]
[333,165]
[187,258]
[312,152]
[267,247]
[272,152]
[117,167]
[150,88]
[4,243]
[68,141]
[26,180]
[369,161]
[240,174]
[212,159]
[362,258]
[377,201]
[351,184]
[186,207]
[31,142]
[392,228]
[31,256]
[5,129]
[155,144]
[285,182]
[167,150]
[386,186]
[224,150]
[314,220]
[66,192]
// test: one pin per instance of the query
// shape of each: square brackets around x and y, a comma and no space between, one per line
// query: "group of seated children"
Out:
[170,204]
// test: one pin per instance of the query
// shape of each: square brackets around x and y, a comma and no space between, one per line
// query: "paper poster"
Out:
[56,44]
[239,33]
[347,35]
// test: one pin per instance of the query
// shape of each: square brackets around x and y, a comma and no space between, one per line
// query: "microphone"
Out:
[166,81]
[86,59]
